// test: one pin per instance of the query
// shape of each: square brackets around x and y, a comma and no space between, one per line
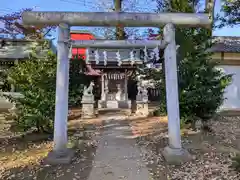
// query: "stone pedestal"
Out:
[88,110]
[125,104]
[142,108]
[112,104]
[176,156]
[56,157]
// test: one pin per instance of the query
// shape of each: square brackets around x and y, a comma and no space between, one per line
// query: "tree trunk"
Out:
[119,28]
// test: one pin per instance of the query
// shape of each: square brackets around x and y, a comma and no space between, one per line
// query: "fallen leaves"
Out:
[20,158]
[26,157]
[211,153]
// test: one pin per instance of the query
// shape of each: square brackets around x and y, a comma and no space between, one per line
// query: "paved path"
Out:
[117,156]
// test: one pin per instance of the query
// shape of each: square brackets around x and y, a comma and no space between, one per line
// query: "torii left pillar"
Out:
[61,154]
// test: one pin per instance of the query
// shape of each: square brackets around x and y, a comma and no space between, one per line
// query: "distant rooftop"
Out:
[21,48]
[85,32]
[229,44]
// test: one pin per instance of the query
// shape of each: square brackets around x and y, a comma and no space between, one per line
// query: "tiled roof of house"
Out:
[20,48]
[226,44]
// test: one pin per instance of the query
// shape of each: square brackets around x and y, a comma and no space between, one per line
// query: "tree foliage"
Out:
[35,79]
[13,27]
[4,85]
[201,84]
[231,11]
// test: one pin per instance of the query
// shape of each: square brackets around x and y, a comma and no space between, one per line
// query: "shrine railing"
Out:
[154,94]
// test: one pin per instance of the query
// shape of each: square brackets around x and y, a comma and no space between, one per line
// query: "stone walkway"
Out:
[118,156]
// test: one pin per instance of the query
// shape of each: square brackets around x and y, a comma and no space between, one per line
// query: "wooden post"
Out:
[126,86]
[103,96]
[209,8]
[119,30]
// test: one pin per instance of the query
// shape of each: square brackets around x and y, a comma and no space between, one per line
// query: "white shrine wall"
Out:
[232,92]
[230,64]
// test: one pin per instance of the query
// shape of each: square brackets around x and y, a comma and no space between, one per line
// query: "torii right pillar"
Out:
[174,153]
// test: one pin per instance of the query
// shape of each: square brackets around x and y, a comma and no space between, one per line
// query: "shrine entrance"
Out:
[115,67]
[114,91]
[66,19]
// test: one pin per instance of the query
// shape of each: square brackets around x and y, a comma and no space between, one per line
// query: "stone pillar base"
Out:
[124,104]
[114,104]
[88,110]
[141,108]
[59,157]
[176,156]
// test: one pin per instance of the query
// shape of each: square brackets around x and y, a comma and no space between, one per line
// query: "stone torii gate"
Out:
[173,152]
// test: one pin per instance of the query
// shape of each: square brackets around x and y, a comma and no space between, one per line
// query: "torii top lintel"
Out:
[116,18]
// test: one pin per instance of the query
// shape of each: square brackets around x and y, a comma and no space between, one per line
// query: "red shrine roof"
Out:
[80,35]
[78,53]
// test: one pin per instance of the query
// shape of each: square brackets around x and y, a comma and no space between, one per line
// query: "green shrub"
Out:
[35,79]
[157,112]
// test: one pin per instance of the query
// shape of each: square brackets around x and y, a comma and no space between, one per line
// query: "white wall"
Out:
[232,92]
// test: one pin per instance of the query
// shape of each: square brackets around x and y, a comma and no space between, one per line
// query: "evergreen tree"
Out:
[231,13]
[201,84]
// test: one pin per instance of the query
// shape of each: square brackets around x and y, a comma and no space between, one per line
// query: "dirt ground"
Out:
[211,151]
[21,157]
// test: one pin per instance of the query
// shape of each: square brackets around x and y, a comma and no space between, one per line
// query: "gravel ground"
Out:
[211,153]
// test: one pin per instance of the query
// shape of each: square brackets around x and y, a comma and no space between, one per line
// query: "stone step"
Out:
[113,111]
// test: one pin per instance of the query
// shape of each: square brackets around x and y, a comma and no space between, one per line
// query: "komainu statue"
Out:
[139,88]
[88,91]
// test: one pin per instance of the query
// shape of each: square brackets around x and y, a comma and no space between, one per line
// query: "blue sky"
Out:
[8,6]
